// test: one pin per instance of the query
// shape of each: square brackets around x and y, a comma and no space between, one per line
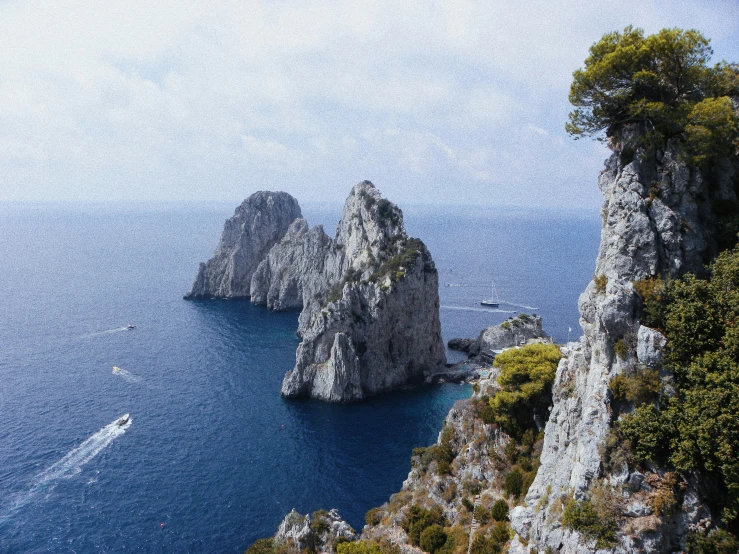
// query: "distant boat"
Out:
[129,326]
[123,420]
[494,301]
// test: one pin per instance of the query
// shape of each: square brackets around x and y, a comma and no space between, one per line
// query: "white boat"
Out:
[129,326]
[123,420]
[494,301]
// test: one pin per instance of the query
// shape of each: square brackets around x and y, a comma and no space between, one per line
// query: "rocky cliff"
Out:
[513,331]
[256,226]
[368,297]
[659,219]
[370,318]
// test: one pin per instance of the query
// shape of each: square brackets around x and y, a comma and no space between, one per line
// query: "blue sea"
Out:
[213,457]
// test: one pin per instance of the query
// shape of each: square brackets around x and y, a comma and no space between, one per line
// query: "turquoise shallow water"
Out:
[213,453]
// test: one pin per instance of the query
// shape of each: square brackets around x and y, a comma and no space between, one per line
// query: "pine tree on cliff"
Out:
[663,81]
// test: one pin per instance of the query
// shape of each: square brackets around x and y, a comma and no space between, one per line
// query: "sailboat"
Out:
[494,301]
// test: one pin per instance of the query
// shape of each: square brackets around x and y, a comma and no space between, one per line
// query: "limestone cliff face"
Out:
[658,219]
[368,297]
[256,226]
[370,318]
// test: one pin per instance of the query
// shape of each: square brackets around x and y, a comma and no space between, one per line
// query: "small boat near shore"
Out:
[494,301]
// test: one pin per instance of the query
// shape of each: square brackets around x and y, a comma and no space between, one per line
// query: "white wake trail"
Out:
[107,331]
[126,375]
[488,310]
[71,464]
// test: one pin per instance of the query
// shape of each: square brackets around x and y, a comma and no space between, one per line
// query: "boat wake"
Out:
[71,464]
[524,306]
[126,375]
[106,332]
[486,310]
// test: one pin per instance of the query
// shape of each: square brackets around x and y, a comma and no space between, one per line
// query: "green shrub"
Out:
[432,538]
[484,545]
[600,283]
[620,349]
[717,541]
[373,516]
[526,378]
[359,547]
[261,546]
[501,533]
[319,523]
[582,516]
[698,428]
[418,518]
[487,414]
[444,453]
[499,511]
[513,482]
[468,504]
[615,452]
[651,293]
[482,514]
[638,387]
[425,456]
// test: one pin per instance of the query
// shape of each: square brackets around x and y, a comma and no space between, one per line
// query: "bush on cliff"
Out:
[261,546]
[418,518]
[526,378]
[432,538]
[663,81]
[698,428]
[499,511]
[359,547]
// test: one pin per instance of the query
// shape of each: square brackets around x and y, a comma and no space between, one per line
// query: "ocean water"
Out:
[213,457]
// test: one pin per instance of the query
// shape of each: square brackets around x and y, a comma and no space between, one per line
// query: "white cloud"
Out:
[139,100]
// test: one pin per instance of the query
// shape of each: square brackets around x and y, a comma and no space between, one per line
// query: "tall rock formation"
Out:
[369,299]
[659,218]
[256,226]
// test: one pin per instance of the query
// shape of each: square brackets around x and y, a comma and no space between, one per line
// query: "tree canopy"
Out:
[663,80]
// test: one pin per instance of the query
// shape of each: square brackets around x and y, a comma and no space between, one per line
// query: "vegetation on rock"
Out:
[526,378]
[697,429]
[663,81]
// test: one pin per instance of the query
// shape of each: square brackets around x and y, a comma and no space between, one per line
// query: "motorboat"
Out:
[123,420]
[129,326]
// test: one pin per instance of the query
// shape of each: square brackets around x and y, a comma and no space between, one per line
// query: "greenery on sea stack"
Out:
[663,81]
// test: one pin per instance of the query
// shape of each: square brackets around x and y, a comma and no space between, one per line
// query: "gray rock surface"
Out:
[378,288]
[657,221]
[256,226]
[368,297]
[318,533]
[513,331]
[649,347]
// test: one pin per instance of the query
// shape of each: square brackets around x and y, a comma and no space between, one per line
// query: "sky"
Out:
[435,102]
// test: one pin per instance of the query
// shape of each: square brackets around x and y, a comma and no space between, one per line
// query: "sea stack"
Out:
[256,226]
[369,296]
